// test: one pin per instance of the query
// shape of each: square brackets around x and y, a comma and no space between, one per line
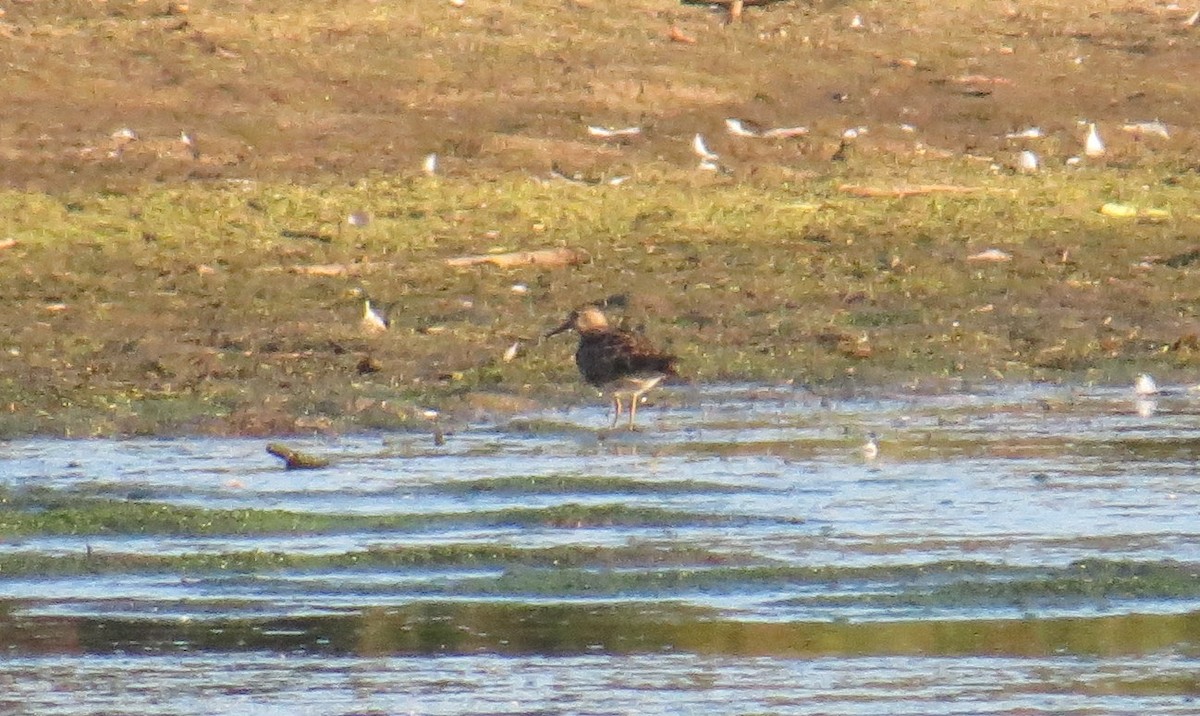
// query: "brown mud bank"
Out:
[156,286]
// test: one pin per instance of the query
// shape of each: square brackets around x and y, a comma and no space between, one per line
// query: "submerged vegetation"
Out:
[157,287]
[50,513]
[650,570]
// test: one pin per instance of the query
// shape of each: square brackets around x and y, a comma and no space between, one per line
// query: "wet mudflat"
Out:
[1012,549]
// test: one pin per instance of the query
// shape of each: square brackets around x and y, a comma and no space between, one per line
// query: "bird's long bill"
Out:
[567,325]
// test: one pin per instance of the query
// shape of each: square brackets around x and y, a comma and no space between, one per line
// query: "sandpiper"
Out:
[616,362]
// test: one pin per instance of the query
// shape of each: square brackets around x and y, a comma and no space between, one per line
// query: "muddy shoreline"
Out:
[154,286]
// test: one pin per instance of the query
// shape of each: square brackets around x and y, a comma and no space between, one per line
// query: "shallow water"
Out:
[1028,549]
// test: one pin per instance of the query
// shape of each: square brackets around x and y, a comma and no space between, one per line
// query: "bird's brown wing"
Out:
[606,356]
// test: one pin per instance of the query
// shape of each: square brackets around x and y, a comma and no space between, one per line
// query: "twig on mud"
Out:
[550,258]
[301,234]
[324,269]
[674,34]
[296,460]
[903,191]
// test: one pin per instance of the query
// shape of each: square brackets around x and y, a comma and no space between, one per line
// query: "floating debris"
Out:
[296,460]
[856,23]
[358,219]
[430,164]
[125,134]
[511,352]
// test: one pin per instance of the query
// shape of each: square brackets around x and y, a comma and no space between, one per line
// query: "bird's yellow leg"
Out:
[616,410]
[633,409]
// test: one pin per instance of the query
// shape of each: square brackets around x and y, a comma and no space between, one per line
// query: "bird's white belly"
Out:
[631,384]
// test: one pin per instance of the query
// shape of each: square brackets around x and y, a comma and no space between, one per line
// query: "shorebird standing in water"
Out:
[616,362]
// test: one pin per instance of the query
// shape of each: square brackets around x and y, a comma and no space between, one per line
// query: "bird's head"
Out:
[583,319]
